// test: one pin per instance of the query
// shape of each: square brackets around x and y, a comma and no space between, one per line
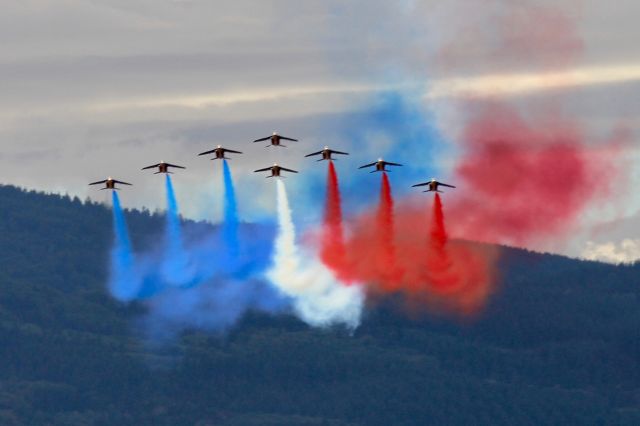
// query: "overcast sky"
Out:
[96,88]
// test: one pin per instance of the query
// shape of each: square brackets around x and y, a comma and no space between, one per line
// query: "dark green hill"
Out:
[559,343]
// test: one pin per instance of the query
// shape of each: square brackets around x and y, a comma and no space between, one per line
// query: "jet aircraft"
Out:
[163,167]
[326,154]
[110,183]
[219,151]
[275,139]
[433,185]
[275,170]
[380,165]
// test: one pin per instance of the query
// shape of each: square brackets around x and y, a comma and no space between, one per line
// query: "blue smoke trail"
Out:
[230,226]
[173,220]
[220,291]
[188,280]
[122,284]
[397,126]
[176,265]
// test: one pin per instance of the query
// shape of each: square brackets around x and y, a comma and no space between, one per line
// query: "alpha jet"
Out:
[326,154]
[219,151]
[163,167]
[110,183]
[433,185]
[275,170]
[380,165]
[275,139]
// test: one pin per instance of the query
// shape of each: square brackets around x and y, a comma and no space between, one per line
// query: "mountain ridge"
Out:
[558,342]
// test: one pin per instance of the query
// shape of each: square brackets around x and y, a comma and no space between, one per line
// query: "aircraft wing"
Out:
[263,170]
[444,184]
[313,153]
[339,152]
[288,170]
[288,139]
[98,182]
[421,184]
[151,167]
[231,150]
[176,166]
[263,139]
[121,182]
[368,165]
[392,164]
[208,152]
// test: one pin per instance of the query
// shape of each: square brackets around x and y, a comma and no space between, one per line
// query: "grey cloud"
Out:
[61,60]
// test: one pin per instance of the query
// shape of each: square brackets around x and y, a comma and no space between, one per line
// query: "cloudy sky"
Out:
[96,88]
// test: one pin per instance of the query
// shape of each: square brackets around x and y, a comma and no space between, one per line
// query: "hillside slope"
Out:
[559,343]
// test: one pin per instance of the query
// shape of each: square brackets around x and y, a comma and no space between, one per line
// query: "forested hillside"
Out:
[559,343]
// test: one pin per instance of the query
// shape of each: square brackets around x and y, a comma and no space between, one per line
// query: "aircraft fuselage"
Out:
[275,140]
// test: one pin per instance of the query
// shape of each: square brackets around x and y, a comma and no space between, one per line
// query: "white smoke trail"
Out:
[319,298]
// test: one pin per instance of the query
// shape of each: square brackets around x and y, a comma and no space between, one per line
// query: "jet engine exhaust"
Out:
[386,256]
[121,283]
[230,226]
[319,298]
[333,251]
[175,261]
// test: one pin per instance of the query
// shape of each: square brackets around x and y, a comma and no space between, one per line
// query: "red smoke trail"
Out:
[450,275]
[438,261]
[385,253]
[333,252]
[368,256]
[403,250]
[524,180]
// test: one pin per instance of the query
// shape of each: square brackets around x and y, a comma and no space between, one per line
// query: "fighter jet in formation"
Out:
[275,170]
[433,185]
[163,167]
[275,139]
[380,165]
[219,151]
[110,183]
[326,154]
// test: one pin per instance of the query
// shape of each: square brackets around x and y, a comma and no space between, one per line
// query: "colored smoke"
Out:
[370,246]
[214,292]
[525,180]
[333,252]
[230,225]
[122,261]
[459,273]
[385,257]
[318,298]
[176,264]
[407,251]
